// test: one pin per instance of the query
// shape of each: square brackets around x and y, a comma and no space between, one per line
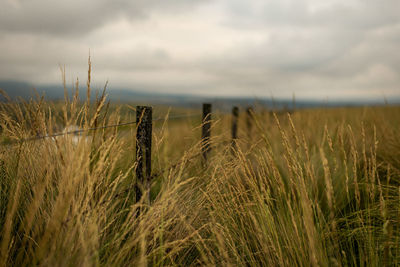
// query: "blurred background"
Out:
[179,52]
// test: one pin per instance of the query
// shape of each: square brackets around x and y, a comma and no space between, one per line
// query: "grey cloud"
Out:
[288,51]
[338,40]
[338,50]
[298,13]
[76,17]
[139,58]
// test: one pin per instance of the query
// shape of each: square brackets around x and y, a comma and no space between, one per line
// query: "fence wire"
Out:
[126,190]
[35,138]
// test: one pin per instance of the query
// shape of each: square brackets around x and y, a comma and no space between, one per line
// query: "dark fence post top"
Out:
[143,151]
[235,118]
[206,130]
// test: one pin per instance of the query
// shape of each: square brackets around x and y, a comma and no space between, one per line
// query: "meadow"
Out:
[317,187]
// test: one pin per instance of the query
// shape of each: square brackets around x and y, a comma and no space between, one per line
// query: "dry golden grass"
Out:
[319,187]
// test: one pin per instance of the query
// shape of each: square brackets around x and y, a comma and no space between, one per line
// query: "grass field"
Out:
[318,187]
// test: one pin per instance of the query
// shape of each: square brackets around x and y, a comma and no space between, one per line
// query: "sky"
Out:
[313,49]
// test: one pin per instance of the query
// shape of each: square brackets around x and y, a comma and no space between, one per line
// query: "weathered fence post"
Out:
[235,118]
[206,131]
[143,151]
[249,121]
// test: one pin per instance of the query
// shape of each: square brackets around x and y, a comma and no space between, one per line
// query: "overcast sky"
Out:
[316,49]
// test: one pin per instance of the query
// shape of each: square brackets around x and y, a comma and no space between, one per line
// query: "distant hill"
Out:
[16,89]
[26,90]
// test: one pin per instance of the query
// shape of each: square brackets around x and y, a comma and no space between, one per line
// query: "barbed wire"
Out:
[123,192]
[34,138]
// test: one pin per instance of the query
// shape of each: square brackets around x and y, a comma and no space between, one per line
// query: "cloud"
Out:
[77,17]
[355,14]
[314,48]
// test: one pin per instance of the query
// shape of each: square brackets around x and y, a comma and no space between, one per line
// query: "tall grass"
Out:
[315,188]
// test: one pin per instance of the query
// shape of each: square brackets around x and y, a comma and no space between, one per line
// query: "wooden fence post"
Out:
[249,121]
[206,130]
[143,151]
[235,118]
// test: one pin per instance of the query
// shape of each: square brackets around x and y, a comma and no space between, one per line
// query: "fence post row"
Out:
[143,151]
[206,130]
[144,139]
[235,118]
